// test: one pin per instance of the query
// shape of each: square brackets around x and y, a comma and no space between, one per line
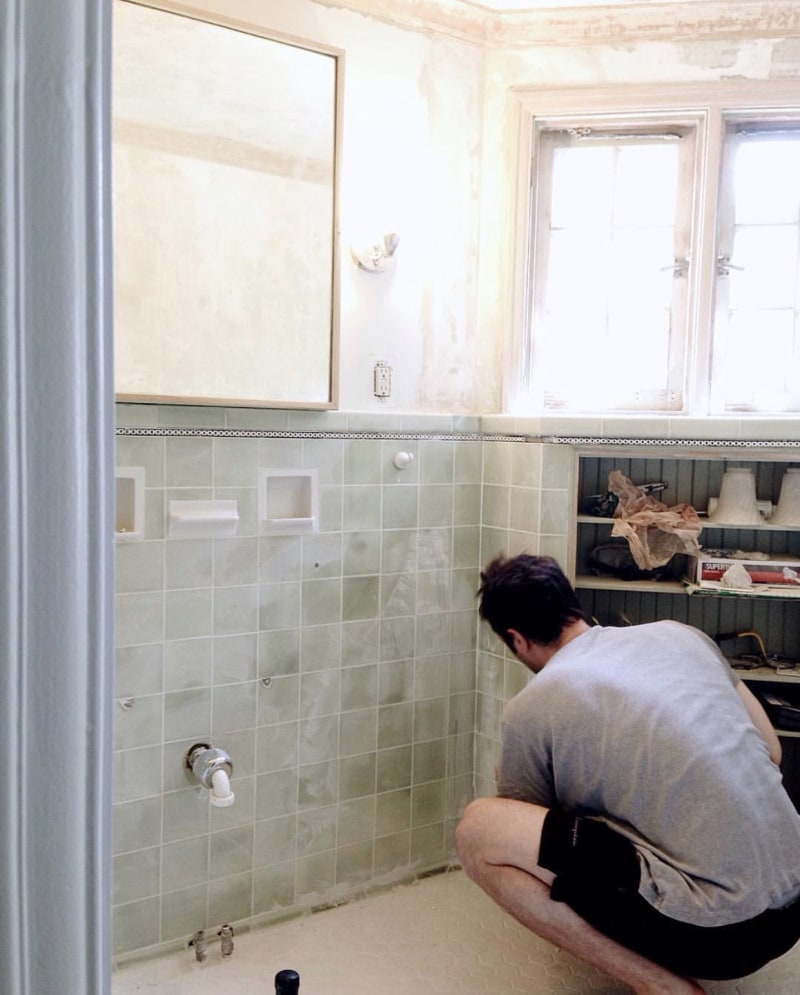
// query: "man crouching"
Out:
[641,821]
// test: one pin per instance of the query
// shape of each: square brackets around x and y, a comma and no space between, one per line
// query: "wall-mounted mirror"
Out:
[225,211]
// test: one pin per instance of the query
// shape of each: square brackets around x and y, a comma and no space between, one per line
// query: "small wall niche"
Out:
[288,501]
[129,523]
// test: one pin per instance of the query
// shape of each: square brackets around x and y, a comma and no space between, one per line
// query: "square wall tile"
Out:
[136,925]
[235,658]
[321,647]
[276,794]
[138,618]
[188,563]
[230,852]
[361,553]
[139,566]
[276,747]
[363,461]
[230,898]
[436,462]
[137,773]
[188,613]
[187,663]
[233,706]
[236,610]
[136,875]
[399,507]
[188,462]
[183,912]
[360,598]
[138,670]
[236,561]
[184,864]
[275,840]
[321,601]
[358,731]
[187,714]
[278,653]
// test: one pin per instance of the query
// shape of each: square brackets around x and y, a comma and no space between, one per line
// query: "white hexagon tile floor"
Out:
[440,935]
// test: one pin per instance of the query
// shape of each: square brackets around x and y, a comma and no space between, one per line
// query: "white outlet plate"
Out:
[382,379]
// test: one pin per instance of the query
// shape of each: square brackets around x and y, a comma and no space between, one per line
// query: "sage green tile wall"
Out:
[528,498]
[337,669]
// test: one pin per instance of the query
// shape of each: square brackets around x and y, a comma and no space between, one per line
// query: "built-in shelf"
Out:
[764,527]
[714,589]
[787,675]
[591,582]
[694,477]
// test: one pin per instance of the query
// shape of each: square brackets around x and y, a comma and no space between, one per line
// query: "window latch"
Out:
[679,268]
[724,265]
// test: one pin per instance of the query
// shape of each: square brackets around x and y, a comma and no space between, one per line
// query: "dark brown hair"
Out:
[530,594]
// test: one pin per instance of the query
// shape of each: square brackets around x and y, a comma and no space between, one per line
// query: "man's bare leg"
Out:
[498,845]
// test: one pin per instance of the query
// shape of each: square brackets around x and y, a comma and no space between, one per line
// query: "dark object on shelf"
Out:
[779,661]
[760,658]
[604,505]
[782,713]
[614,559]
[600,505]
[287,983]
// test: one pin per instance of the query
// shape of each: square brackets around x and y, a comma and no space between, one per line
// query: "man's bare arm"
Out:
[761,721]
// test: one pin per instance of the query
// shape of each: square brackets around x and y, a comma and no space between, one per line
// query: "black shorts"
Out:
[597,875]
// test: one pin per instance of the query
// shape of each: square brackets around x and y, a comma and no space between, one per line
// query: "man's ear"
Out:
[517,641]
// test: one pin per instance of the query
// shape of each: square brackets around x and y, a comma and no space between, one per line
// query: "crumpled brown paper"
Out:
[654,530]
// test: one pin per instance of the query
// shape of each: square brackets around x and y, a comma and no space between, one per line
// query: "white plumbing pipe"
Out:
[221,794]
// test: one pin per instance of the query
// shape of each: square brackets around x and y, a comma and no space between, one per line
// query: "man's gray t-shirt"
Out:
[642,727]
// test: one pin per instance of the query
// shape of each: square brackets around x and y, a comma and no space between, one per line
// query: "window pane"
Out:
[767,256]
[766,181]
[605,250]
[760,363]
[647,178]
[756,339]
[640,267]
[578,277]
[582,187]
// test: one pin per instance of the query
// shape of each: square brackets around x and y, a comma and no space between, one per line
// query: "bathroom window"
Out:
[662,253]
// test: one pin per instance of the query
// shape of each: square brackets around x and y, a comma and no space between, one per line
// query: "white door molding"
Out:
[56,524]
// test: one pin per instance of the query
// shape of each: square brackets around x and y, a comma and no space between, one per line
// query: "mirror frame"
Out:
[199,13]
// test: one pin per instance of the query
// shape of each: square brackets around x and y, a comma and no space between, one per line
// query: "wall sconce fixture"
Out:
[376,258]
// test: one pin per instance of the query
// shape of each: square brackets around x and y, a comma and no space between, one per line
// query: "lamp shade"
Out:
[787,510]
[737,504]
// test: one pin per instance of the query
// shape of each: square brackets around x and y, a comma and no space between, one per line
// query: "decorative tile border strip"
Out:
[588,440]
[399,435]
[270,433]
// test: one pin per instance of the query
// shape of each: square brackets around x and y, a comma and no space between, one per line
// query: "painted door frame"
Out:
[56,510]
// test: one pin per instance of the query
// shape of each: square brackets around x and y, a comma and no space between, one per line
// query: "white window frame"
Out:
[706,107]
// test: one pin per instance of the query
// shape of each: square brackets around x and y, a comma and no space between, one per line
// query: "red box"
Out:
[776,571]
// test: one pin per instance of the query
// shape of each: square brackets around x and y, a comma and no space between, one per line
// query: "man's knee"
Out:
[470,836]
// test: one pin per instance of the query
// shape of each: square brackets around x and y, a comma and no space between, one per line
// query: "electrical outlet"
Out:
[382,379]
